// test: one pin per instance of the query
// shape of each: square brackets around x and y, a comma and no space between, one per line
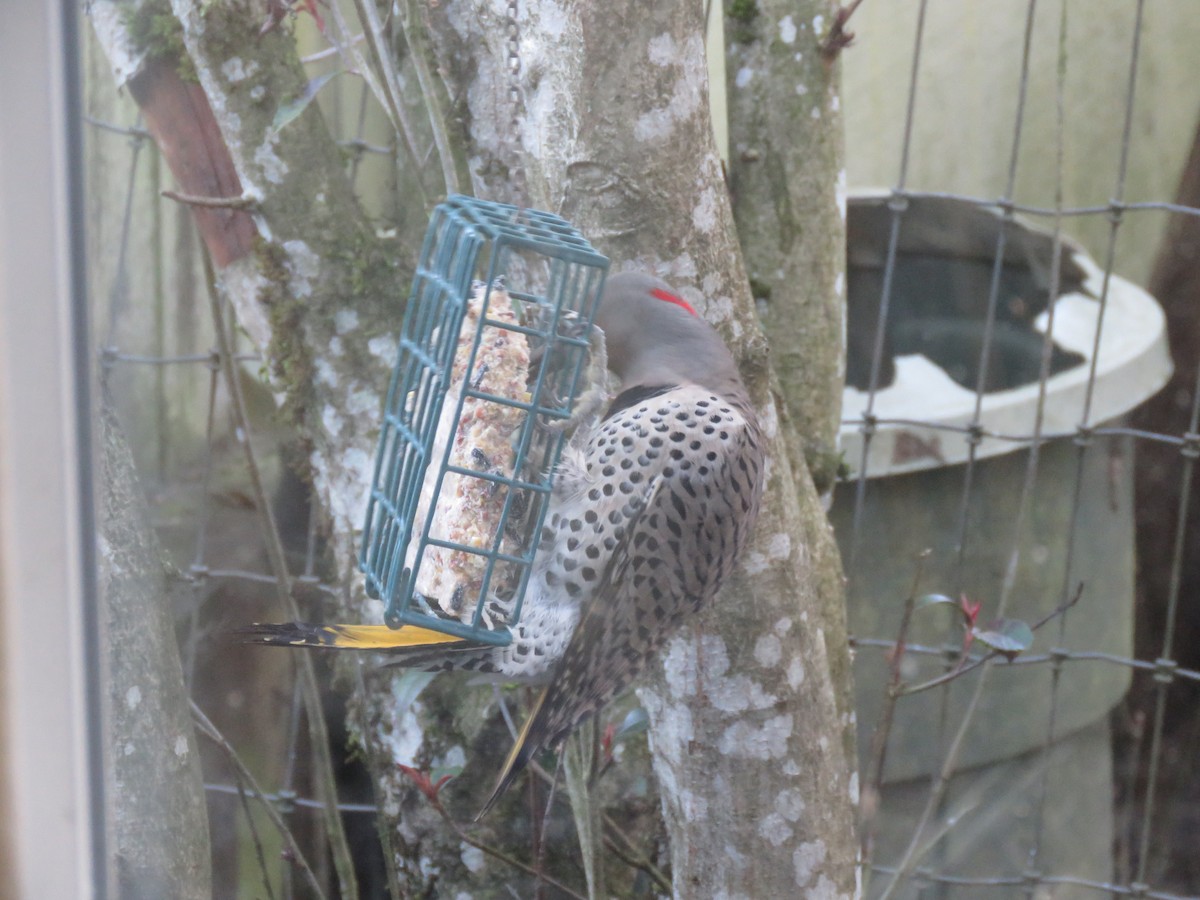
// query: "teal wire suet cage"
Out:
[494,345]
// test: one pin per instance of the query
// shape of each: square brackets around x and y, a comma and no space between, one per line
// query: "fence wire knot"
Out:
[1164,670]
[285,801]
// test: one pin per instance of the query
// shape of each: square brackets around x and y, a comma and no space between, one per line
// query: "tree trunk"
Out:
[788,186]
[311,283]
[755,780]
[158,821]
[788,182]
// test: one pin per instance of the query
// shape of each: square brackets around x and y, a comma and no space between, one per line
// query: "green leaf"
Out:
[444,773]
[934,600]
[1008,637]
[585,809]
[637,722]
[408,687]
[290,110]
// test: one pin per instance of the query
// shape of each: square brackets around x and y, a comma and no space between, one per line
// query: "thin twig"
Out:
[537,829]
[339,846]
[963,668]
[632,857]
[243,201]
[501,855]
[433,89]
[641,862]
[357,64]
[258,847]
[838,38]
[515,863]
[392,95]
[869,800]
[1059,610]
[916,849]
[918,846]
[385,832]
[331,51]
[210,731]
[140,134]
[540,859]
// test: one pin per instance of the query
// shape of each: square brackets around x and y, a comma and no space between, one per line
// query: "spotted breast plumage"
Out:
[650,510]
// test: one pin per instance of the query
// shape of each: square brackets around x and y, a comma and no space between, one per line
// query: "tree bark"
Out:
[788,183]
[313,286]
[754,772]
[755,780]
[158,821]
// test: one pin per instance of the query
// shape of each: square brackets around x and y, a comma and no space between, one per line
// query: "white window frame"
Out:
[51,774]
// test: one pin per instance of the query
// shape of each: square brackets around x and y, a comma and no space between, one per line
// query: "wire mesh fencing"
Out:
[989,777]
[993,764]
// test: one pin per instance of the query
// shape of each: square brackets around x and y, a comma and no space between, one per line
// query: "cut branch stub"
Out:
[182,123]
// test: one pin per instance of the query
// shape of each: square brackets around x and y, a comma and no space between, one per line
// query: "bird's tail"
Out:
[347,637]
[519,756]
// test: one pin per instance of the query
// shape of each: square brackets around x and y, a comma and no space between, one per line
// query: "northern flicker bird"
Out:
[651,507]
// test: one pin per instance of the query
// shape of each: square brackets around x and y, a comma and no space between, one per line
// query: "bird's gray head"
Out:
[654,337]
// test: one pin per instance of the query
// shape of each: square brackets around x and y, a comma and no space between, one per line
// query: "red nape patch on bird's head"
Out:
[660,294]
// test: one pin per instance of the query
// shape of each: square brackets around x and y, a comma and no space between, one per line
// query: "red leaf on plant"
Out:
[970,609]
[310,7]
[277,11]
[425,784]
[421,780]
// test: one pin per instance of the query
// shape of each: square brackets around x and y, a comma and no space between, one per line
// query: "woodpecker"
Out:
[650,509]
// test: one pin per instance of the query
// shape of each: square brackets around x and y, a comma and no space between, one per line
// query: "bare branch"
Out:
[242,202]
[839,38]
[210,731]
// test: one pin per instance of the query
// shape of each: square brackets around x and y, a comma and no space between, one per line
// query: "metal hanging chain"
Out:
[517,170]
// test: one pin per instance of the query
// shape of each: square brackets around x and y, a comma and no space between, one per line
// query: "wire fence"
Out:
[1146,842]
[1152,804]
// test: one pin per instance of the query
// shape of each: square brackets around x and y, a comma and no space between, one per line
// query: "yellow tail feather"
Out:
[518,757]
[380,637]
[348,637]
